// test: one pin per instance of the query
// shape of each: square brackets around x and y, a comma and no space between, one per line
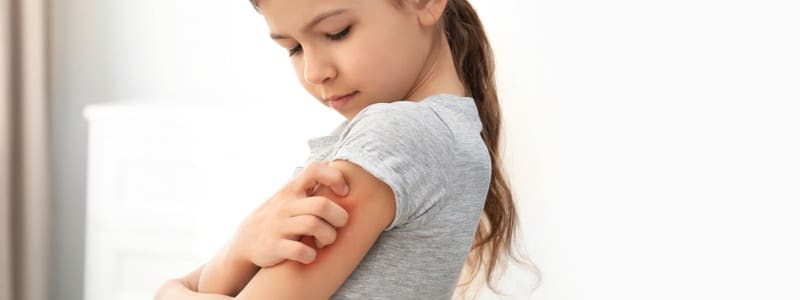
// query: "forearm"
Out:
[186,288]
[177,290]
[226,274]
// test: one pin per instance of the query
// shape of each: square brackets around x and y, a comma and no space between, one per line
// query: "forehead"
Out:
[293,14]
[290,15]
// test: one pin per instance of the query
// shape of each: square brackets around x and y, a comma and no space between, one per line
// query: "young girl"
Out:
[394,202]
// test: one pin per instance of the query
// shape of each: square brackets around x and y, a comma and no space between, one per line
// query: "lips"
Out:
[340,102]
[334,98]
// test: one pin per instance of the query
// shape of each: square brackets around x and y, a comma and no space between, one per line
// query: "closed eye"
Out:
[334,37]
[340,35]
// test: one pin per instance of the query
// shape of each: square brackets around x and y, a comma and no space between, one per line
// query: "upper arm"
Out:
[371,207]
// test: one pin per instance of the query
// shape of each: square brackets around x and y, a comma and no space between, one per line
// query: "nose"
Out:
[318,68]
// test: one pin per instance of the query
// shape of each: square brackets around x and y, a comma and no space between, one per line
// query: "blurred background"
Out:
[651,146]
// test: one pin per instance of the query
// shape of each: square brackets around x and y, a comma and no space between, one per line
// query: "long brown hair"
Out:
[474,61]
[493,245]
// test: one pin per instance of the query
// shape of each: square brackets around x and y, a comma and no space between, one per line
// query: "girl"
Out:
[418,184]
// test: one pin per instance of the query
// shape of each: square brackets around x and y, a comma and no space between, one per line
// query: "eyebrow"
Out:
[313,22]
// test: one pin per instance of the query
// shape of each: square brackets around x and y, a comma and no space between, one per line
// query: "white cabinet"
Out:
[168,184]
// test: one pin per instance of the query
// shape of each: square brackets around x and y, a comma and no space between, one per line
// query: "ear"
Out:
[430,11]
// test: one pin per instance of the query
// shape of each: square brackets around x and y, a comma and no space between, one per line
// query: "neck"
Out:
[439,74]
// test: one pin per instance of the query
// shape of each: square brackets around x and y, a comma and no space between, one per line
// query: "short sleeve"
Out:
[405,145]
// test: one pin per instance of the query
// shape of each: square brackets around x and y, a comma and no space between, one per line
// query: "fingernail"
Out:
[345,189]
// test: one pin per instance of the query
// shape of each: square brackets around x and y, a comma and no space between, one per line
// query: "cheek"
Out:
[384,66]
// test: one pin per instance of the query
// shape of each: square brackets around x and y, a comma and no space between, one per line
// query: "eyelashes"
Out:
[340,35]
[333,37]
[294,50]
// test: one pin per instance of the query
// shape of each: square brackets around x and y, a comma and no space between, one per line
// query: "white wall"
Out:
[650,144]
[678,134]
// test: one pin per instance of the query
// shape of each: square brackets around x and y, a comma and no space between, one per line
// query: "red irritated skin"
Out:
[371,207]
[270,234]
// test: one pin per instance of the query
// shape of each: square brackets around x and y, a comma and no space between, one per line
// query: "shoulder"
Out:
[404,145]
[407,131]
[400,120]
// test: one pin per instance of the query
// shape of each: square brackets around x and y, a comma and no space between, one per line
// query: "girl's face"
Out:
[372,50]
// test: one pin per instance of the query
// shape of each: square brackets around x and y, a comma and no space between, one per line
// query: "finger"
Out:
[308,225]
[321,207]
[322,173]
[319,173]
[297,251]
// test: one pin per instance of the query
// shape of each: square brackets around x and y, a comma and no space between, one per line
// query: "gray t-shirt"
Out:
[432,156]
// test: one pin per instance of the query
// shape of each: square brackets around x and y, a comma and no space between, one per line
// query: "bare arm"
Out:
[226,273]
[270,235]
[272,232]
[371,206]
[186,288]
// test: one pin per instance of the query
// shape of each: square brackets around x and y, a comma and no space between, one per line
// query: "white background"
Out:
[652,145]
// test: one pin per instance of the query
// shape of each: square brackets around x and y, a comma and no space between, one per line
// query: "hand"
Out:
[272,233]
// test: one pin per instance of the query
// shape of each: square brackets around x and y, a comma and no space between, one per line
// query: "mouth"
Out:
[337,102]
[339,97]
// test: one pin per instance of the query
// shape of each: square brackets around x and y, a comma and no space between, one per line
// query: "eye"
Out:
[334,37]
[340,35]
[296,49]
